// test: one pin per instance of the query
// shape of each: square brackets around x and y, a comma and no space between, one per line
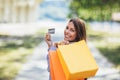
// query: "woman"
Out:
[74,31]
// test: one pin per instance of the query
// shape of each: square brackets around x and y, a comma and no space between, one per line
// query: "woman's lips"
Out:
[67,37]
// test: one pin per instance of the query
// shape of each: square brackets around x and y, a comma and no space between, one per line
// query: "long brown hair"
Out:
[79,25]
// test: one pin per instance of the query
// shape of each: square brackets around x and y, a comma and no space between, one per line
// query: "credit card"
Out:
[51,30]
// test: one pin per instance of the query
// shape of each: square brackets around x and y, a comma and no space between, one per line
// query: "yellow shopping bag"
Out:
[56,70]
[77,61]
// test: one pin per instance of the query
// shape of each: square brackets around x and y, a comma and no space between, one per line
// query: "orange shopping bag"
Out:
[77,60]
[56,70]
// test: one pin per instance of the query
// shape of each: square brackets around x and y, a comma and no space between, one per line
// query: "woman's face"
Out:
[70,32]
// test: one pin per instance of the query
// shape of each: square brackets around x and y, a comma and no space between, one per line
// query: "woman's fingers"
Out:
[65,42]
[48,37]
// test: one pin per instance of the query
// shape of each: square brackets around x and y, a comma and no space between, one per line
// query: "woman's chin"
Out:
[66,39]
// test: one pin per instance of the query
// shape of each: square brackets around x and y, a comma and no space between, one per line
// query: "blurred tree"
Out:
[94,9]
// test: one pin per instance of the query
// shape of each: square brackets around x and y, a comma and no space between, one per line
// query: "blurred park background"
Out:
[23,24]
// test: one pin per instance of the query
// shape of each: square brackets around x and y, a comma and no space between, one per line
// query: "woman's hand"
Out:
[65,42]
[48,40]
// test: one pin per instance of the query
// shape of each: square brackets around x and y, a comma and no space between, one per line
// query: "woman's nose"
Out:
[67,31]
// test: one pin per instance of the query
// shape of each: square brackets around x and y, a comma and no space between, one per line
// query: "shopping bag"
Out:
[77,60]
[51,69]
[56,70]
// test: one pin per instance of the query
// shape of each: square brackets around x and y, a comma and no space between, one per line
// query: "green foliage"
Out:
[11,62]
[16,42]
[94,9]
[112,53]
[13,52]
[109,48]
[8,70]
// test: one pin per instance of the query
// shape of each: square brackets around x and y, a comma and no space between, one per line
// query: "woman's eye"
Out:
[66,27]
[72,30]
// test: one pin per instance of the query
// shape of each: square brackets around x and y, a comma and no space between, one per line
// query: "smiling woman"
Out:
[75,31]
